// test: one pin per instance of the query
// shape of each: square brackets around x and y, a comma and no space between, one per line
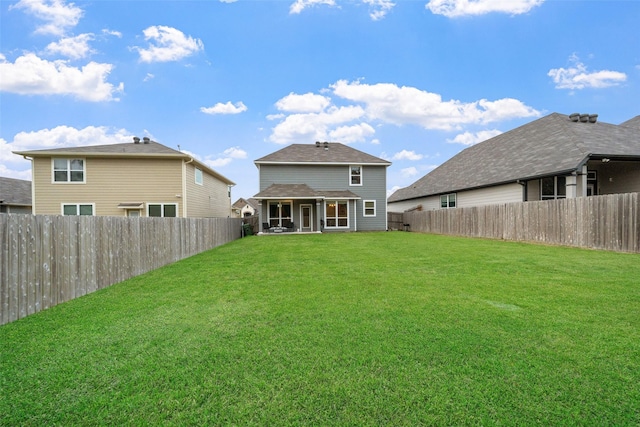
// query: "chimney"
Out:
[136,140]
[146,140]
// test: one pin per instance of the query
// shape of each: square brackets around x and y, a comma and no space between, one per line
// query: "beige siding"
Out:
[110,182]
[508,193]
[211,199]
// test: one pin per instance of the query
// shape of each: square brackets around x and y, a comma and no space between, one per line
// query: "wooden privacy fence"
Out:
[608,222]
[47,260]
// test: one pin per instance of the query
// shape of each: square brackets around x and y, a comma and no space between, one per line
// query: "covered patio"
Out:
[298,208]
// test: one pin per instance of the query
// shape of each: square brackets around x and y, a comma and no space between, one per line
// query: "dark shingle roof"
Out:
[15,191]
[634,122]
[547,146]
[302,191]
[335,153]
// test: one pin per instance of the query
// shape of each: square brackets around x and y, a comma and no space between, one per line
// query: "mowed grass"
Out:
[395,328]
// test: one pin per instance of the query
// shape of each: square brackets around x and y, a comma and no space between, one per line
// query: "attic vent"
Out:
[136,140]
[146,140]
[317,143]
[584,118]
[326,145]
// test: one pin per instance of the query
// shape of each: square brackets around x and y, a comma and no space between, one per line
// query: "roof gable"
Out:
[321,153]
[550,145]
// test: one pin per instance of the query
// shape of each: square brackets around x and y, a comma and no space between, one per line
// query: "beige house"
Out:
[142,178]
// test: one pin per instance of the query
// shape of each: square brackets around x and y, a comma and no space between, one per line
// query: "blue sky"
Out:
[413,82]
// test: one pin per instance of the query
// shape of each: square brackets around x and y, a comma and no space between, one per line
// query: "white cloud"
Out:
[408,105]
[112,33]
[57,15]
[307,103]
[457,8]
[227,108]
[226,157]
[468,138]
[350,134]
[31,75]
[167,44]
[58,137]
[578,77]
[299,5]
[407,155]
[72,47]
[313,126]
[380,8]
[409,172]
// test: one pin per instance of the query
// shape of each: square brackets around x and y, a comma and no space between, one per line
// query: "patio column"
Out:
[260,216]
[319,214]
[571,184]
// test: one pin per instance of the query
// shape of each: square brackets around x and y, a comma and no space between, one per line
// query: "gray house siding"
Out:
[335,177]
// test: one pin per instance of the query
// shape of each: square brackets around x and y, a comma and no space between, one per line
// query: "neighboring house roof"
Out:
[241,203]
[148,149]
[15,192]
[302,191]
[634,122]
[551,145]
[321,153]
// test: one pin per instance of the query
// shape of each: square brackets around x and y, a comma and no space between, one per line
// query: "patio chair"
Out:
[265,227]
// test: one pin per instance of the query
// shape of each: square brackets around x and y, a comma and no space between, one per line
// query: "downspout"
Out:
[524,189]
[184,186]
[33,187]
[355,215]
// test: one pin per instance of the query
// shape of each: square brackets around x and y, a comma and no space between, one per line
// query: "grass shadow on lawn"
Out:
[350,329]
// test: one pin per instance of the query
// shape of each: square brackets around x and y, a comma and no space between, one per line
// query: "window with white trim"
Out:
[198,176]
[68,170]
[448,201]
[369,208]
[77,208]
[162,209]
[355,175]
[553,187]
[336,213]
[280,214]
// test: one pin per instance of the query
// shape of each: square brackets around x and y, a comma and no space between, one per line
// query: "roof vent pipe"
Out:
[593,118]
[574,117]
[317,143]
[326,145]
[584,118]
[146,140]
[136,140]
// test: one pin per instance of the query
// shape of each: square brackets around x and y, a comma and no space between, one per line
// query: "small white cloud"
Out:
[112,33]
[72,47]
[307,103]
[351,134]
[407,155]
[299,5]
[31,75]
[313,126]
[457,8]
[578,77]
[227,108]
[167,44]
[226,157]
[58,16]
[409,172]
[235,153]
[468,138]
[148,77]
[380,8]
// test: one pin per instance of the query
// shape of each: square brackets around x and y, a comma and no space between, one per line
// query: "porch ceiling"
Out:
[302,191]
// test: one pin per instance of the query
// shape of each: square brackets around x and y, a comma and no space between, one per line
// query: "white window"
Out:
[369,208]
[336,214]
[162,209]
[280,214]
[77,208]
[448,201]
[198,176]
[553,187]
[355,175]
[68,170]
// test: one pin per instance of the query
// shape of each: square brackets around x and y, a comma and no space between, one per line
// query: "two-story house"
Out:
[326,186]
[142,178]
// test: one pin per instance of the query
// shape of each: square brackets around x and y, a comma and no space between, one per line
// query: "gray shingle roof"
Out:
[335,153]
[550,145]
[15,191]
[634,122]
[302,191]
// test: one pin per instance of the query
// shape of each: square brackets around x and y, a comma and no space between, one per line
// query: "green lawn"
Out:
[395,328]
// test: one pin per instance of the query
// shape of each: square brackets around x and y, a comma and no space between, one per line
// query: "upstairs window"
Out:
[448,201]
[198,176]
[355,175]
[68,170]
